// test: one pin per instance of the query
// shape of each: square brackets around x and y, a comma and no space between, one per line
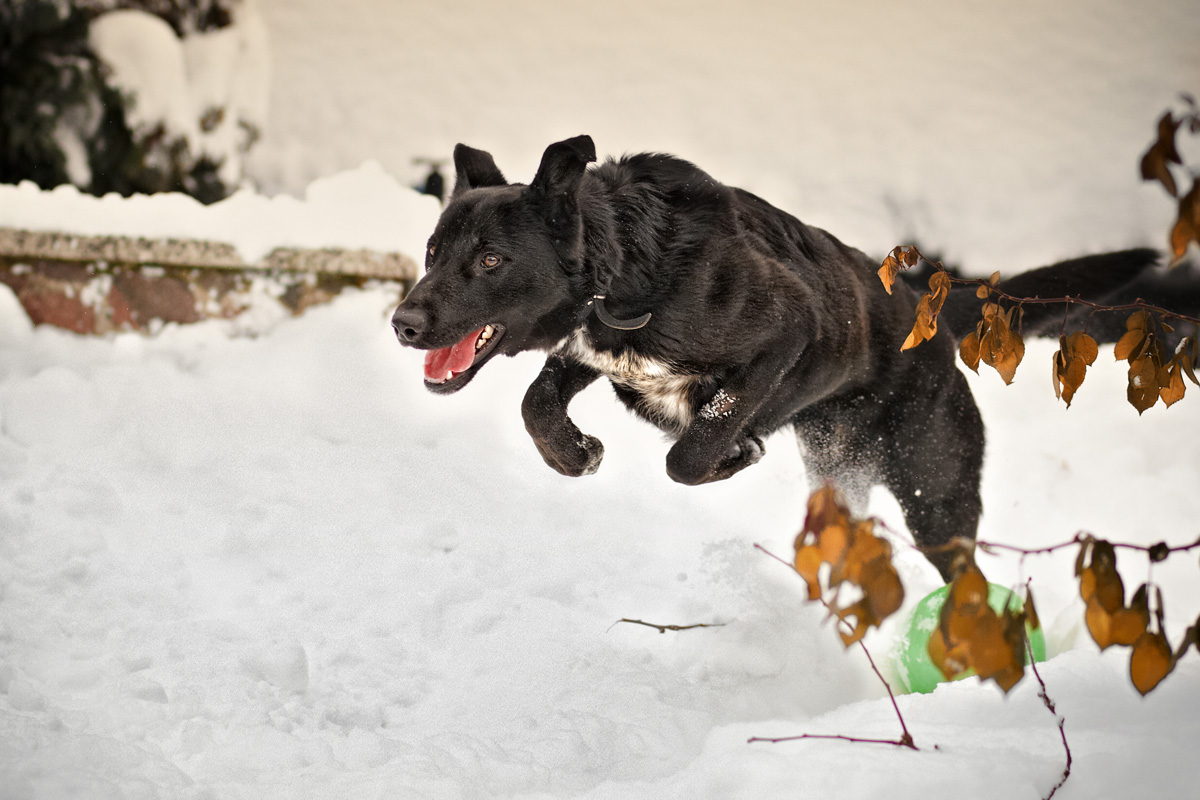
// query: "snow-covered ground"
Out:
[275,566]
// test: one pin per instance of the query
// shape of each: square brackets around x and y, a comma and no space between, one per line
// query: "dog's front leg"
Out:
[558,439]
[721,438]
[712,451]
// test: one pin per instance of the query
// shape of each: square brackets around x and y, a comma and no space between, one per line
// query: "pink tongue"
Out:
[443,364]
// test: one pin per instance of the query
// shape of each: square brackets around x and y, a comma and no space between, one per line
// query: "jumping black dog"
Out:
[716,317]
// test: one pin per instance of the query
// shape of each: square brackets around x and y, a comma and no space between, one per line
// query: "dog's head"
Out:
[502,268]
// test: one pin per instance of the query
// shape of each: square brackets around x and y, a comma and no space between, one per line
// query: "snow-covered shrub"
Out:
[51,92]
[131,97]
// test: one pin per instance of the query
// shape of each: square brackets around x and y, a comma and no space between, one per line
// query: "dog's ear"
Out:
[474,168]
[562,166]
[556,185]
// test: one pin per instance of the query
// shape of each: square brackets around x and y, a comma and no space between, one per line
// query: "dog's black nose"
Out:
[409,323]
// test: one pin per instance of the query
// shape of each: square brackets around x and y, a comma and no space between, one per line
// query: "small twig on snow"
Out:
[665,628]
[893,742]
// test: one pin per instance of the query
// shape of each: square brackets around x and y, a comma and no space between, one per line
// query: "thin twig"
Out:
[1061,722]
[1137,305]
[905,739]
[826,736]
[665,628]
[1079,538]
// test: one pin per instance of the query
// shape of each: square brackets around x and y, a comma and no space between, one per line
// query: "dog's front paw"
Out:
[688,467]
[581,457]
[744,452]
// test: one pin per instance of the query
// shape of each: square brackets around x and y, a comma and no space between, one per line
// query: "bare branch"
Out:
[1066,300]
[1058,717]
[905,739]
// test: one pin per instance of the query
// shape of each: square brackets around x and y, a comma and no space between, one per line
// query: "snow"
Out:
[1004,135]
[277,566]
[364,207]
[274,566]
[207,91]
[147,63]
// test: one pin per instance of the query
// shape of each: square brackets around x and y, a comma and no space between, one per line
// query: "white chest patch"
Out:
[665,391]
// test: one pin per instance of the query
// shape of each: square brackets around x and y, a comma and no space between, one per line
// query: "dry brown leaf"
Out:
[1187,227]
[1083,347]
[1144,385]
[855,555]
[1130,343]
[862,620]
[1149,376]
[939,288]
[1031,615]
[968,350]
[1075,354]
[1099,577]
[1099,623]
[1127,626]
[883,591]
[808,564]
[995,343]
[928,308]
[1173,391]
[833,542]
[1155,162]
[825,507]
[1151,661]
[888,272]
[925,325]
[1186,355]
[970,635]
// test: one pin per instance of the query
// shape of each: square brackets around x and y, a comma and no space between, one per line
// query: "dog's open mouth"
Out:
[448,368]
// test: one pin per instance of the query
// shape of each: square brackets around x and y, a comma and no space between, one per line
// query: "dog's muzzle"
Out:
[409,323]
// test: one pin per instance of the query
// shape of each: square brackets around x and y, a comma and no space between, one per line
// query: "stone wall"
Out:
[98,284]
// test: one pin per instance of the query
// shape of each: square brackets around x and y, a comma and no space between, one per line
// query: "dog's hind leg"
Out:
[833,455]
[544,409]
[932,467]
[927,450]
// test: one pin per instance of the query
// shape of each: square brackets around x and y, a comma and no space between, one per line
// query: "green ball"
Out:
[915,669]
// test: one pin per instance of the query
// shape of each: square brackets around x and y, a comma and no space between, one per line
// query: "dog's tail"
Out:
[1106,278]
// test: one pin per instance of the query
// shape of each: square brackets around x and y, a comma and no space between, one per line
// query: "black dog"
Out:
[716,317]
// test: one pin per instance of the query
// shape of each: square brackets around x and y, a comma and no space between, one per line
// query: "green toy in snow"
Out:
[914,668]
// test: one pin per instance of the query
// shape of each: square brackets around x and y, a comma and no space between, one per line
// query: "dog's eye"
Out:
[490,261]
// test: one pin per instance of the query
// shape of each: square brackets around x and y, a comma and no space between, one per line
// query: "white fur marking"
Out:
[663,389]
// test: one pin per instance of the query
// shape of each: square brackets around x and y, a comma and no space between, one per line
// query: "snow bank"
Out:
[361,208]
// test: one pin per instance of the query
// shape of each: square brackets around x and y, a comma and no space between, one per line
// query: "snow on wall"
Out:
[361,208]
